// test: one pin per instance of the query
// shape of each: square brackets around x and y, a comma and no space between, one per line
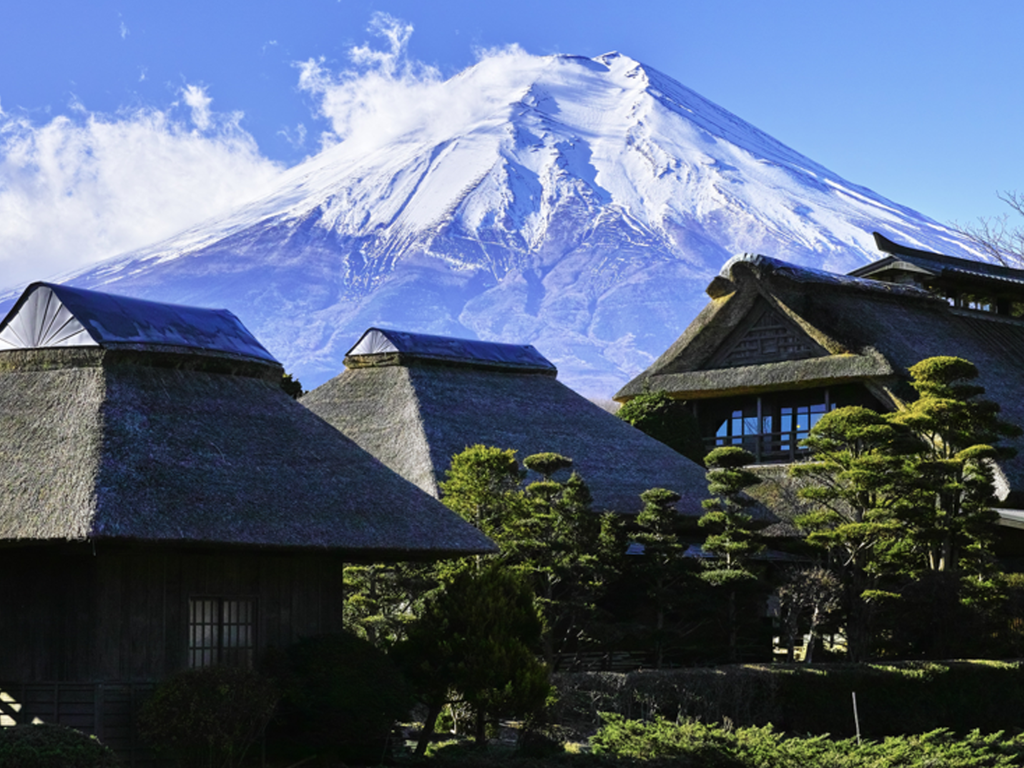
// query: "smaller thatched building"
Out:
[414,400]
[165,505]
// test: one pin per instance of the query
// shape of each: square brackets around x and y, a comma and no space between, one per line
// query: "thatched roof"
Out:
[925,264]
[851,329]
[158,443]
[415,412]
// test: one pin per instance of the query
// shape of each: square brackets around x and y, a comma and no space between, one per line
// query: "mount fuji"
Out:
[580,205]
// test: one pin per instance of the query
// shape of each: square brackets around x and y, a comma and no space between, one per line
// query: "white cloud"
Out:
[87,186]
[124,30]
[199,102]
[386,95]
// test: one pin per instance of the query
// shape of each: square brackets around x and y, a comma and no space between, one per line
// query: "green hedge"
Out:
[898,698]
[52,746]
[712,746]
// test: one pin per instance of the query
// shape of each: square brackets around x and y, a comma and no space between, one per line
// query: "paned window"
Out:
[221,631]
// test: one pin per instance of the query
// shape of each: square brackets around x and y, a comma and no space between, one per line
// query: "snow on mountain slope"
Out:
[580,205]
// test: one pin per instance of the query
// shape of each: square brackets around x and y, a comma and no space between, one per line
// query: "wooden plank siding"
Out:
[87,634]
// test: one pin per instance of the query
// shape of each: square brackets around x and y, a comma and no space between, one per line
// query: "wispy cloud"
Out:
[87,186]
[123,29]
[385,95]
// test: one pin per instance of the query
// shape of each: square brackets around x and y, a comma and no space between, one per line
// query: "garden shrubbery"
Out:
[52,746]
[909,697]
[340,697]
[714,746]
[209,716]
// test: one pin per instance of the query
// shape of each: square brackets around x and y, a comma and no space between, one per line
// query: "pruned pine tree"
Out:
[476,643]
[563,545]
[856,480]
[662,568]
[952,521]
[733,537]
[381,599]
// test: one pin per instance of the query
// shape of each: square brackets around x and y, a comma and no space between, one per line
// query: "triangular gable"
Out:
[764,336]
[42,320]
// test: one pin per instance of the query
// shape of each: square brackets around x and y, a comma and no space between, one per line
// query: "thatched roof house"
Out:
[414,401]
[150,423]
[779,345]
[164,504]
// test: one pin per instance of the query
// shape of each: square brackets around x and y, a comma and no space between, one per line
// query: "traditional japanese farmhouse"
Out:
[165,505]
[779,345]
[414,400]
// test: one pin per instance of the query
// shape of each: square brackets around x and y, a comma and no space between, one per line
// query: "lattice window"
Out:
[221,631]
[769,339]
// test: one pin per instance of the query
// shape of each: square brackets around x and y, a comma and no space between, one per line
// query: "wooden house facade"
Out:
[779,345]
[165,505]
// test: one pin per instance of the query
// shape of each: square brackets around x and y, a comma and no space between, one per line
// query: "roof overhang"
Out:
[766,377]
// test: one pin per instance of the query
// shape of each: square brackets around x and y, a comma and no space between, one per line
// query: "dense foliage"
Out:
[52,746]
[476,643]
[893,699]
[667,420]
[208,716]
[714,746]
[340,696]
[902,503]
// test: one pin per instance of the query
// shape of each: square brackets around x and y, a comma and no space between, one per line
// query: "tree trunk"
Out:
[433,710]
[481,727]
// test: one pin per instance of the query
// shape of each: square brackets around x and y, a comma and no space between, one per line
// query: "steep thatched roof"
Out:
[415,412]
[150,442]
[851,329]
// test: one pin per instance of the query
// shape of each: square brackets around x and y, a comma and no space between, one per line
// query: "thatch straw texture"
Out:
[105,445]
[866,330]
[415,416]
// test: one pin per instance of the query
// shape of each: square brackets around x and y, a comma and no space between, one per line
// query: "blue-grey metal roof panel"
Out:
[379,341]
[94,318]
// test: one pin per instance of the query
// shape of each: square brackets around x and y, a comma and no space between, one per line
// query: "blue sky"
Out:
[125,121]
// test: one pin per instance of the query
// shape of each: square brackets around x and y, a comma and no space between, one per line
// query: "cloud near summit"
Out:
[86,186]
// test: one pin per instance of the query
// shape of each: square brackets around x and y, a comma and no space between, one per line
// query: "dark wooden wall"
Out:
[121,614]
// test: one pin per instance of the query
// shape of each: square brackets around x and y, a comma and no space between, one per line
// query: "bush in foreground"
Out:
[340,697]
[52,746]
[208,716]
[713,746]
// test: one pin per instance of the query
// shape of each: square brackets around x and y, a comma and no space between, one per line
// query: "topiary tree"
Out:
[340,697]
[952,523]
[667,420]
[858,482]
[52,746]
[733,538]
[208,716]
[476,643]
[662,569]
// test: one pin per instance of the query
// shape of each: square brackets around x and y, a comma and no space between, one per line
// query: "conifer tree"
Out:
[733,540]
[856,481]
[476,643]
[952,519]
[662,569]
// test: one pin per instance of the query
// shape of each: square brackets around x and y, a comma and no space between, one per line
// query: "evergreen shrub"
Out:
[715,746]
[52,746]
[340,697]
[892,699]
[208,715]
